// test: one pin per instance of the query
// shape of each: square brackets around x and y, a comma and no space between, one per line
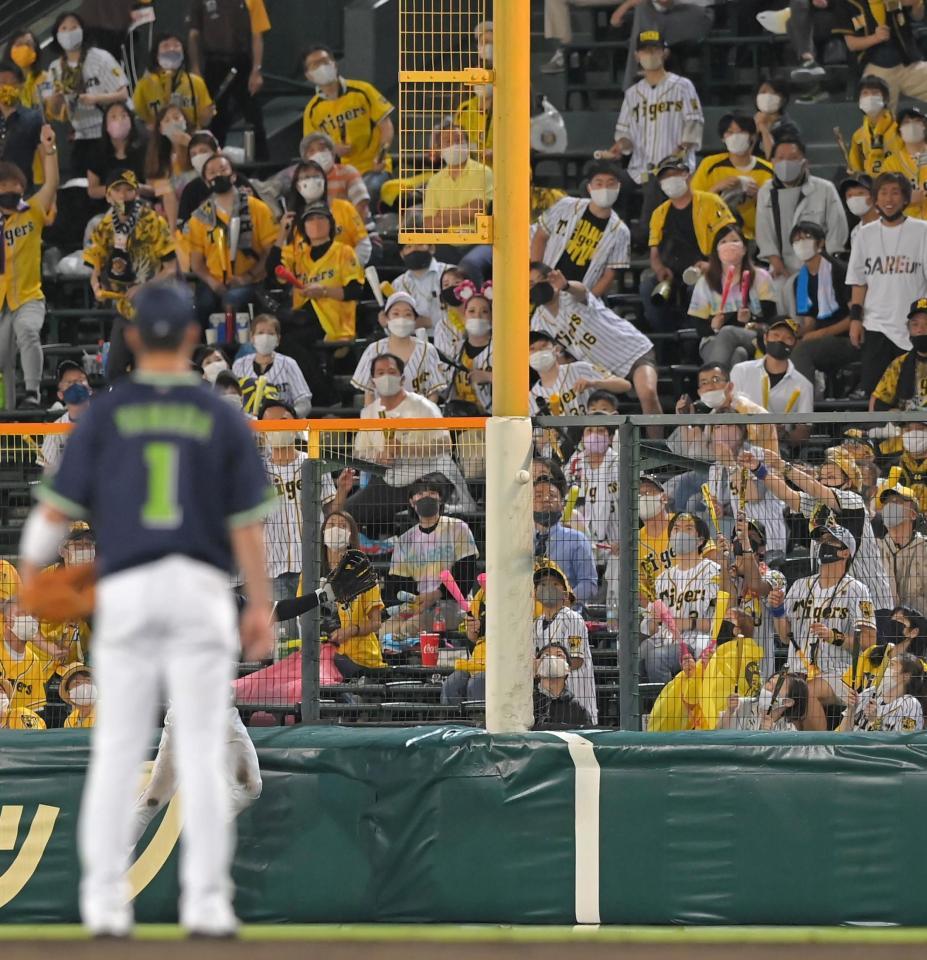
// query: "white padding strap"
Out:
[41,538]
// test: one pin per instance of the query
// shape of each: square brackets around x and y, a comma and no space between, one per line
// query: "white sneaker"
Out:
[556,64]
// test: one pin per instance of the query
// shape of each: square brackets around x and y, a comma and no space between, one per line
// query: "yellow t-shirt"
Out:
[158,90]
[336,268]
[709,214]
[474,116]
[445,191]
[77,722]
[653,558]
[27,675]
[353,117]
[901,161]
[887,388]
[207,240]
[260,22]
[872,144]
[365,650]
[22,719]
[718,167]
[349,228]
[21,280]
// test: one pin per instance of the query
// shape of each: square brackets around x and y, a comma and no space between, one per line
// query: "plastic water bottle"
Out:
[611,617]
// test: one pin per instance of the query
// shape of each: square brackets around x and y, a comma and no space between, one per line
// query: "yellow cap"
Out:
[9,581]
[67,678]
[842,458]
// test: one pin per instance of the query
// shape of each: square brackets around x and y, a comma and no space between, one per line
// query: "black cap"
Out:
[65,366]
[538,336]
[650,38]
[316,210]
[163,311]
[919,306]
[671,163]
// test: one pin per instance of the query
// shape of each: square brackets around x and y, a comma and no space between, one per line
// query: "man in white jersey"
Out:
[560,624]
[819,615]
[594,470]
[587,329]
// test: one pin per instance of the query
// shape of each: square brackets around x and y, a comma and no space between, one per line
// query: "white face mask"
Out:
[915,442]
[4,702]
[604,196]
[323,75]
[172,128]
[768,102]
[871,105]
[388,384]
[894,513]
[683,543]
[25,628]
[804,249]
[83,694]
[859,206]
[482,90]
[170,59]
[788,171]
[212,370]
[337,538]
[198,161]
[456,154]
[674,187]
[324,158]
[912,132]
[737,142]
[232,399]
[486,52]
[552,668]
[651,61]
[477,326]
[649,505]
[311,188]
[542,361]
[265,343]
[70,39]
[281,438]
[401,326]
[713,398]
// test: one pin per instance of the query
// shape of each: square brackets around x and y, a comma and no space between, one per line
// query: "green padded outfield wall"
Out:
[453,825]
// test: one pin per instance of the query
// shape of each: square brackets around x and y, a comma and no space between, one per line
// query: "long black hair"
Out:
[715,273]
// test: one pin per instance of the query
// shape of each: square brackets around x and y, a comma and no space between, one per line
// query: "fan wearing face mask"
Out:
[794,195]
[361,115]
[737,174]
[555,707]
[585,239]
[24,50]
[474,114]
[594,470]
[473,384]
[167,162]
[22,127]
[903,385]
[731,298]
[468,681]
[277,369]
[461,190]
[169,82]
[356,639]
[856,194]
[912,137]
[912,464]
[16,717]
[896,705]
[782,706]
[558,623]
[423,371]
[903,548]
[74,393]
[122,145]
[877,137]
[79,692]
[772,123]
[79,69]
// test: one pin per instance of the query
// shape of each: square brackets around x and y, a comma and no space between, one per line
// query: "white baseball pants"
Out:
[164,630]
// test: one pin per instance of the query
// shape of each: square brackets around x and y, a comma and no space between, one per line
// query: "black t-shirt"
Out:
[774,378]
[19,138]
[224,26]
[103,161]
[582,245]
[679,248]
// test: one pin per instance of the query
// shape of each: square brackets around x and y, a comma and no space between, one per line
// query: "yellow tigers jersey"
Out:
[19,718]
[21,279]
[901,161]
[161,89]
[349,228]
[27,675]
[364,650]
[353,118]
[873,143]
[202,238]
[714,169]
[887,388]
[474,117]
[77,636]
[337,267]
[654,557]
[76,721]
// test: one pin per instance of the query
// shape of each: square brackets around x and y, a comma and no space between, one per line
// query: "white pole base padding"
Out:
[509,576]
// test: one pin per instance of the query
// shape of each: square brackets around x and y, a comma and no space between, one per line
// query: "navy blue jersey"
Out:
[161,466]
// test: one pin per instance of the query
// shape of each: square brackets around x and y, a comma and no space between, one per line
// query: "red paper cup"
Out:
[428,647]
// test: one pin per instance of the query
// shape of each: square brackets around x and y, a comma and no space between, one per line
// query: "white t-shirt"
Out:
[793,393]
[569,629]
[892,263]
[424,554]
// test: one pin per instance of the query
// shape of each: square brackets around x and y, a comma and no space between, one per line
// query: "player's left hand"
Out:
[257,637]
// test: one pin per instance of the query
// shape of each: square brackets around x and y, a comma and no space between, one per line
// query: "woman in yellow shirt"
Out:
[912,127]
[309,187]
[23,50]
[169,82]
[79,692]
[356,638]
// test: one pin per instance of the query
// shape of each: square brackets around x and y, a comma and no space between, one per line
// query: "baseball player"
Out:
[172,482]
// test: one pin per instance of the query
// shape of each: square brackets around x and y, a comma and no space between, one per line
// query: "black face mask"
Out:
[416,260]
[221,184]
[547,518]
[541,293]
[830,553]
[778,350]
[427,508]
[919,342]
[893,217]
[726,633]
[894,631]
[449,297]
[10,199]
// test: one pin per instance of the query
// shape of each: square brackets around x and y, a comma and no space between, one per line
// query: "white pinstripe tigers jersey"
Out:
[598,487]
[904,714]
[569,374]
[423,372]
[592,332]
[425,289]
[569,629]
[691,595]
[725,489]
[283,530]
[653,119]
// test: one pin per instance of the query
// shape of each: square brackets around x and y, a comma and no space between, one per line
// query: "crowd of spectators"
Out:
[796,290]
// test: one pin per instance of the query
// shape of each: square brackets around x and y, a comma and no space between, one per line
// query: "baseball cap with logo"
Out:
[671,163]
[838,533]
[125,176]
[788,322]
[650,38]
[919,306]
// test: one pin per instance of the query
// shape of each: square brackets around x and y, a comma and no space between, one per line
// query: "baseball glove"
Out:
[352,577]
[60,594]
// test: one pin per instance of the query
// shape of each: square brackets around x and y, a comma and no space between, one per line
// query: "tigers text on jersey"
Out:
[159,466]
[691,595]
[592,332]
[569,629]
[654,120]
[902,715]
[598,488]
[283,530]
[841,607]
[424,373]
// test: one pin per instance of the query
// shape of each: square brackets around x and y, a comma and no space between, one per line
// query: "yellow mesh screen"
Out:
[442,75]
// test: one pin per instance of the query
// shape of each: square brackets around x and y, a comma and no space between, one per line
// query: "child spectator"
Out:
[468,681]
[594,470]
[555,707]
[79,692]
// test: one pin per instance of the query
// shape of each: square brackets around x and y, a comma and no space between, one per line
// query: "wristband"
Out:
[836,638]
[856,312]
[777,611]
[761,471]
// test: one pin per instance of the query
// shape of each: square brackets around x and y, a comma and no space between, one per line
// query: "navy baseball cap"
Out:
[163,311]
